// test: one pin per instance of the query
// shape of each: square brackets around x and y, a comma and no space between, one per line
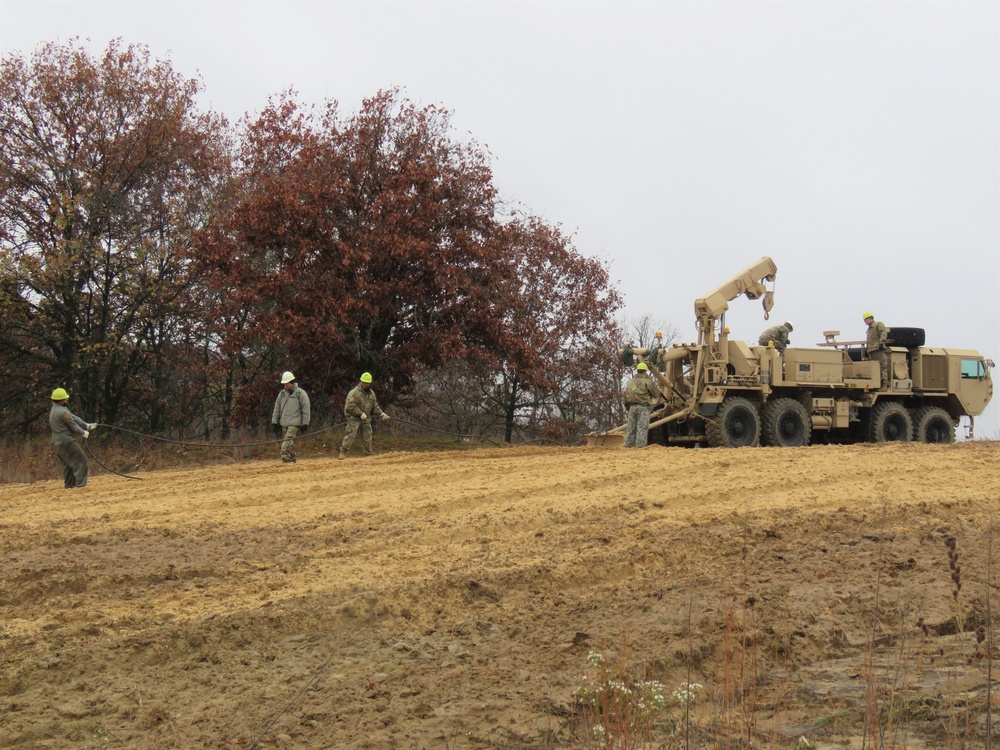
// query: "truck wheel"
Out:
[891,423]
[736,425]
[932,424]
[787,424]
[910,338]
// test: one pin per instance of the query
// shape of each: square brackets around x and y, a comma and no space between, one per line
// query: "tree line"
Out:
[166,266]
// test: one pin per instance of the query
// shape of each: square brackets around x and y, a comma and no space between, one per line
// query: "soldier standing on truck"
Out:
[640,395]
[875,346]
[778,335]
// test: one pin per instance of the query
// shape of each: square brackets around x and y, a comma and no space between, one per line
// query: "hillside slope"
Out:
[450,600]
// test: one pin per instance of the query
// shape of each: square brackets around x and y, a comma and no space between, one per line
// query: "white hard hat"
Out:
[287,377]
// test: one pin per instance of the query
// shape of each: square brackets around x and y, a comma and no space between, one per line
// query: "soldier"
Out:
[640,395]
[290,417]
[65,425]
[359,408]
[875,347]
[777,334]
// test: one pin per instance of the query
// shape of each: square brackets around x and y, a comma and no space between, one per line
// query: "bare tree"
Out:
[641,332]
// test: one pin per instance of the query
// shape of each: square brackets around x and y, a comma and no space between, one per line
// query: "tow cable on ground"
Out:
[223,446]
[217,446]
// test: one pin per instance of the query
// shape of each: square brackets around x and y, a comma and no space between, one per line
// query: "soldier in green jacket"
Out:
[65,427]
[290,417]
[640,395]
[778,335]
[359,408]
[875,346]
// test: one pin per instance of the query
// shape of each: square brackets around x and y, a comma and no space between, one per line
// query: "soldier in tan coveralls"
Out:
[875,346]
[640,395]
[65,426]
[359,408]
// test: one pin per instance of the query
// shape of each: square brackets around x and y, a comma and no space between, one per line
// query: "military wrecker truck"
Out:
[722,391]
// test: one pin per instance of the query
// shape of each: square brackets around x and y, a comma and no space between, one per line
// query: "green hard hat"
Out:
[641,366]
[59,394]
[366,377]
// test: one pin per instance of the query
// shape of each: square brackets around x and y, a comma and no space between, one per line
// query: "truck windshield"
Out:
[973,369]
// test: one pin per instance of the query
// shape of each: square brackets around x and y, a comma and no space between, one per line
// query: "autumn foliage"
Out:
[107,168]
[166,268]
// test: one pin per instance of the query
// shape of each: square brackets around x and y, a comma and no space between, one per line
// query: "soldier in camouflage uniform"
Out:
[359,408]
[640,395]
[876,346]
[777,334]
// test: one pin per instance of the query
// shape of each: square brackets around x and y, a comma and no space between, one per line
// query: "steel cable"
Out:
[223,446]
[86,445]
[445,432]
[482,437]
[90,453]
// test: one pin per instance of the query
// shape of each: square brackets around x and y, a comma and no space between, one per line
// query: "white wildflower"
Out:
[687,692]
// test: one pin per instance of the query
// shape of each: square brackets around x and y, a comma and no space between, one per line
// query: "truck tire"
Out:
[932,424]
[787,424]
[736,425]
[891,423]
[910,338]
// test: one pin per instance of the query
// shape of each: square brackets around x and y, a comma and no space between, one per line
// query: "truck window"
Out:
[973,369]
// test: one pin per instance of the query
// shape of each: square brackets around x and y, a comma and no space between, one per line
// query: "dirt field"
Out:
[451,600]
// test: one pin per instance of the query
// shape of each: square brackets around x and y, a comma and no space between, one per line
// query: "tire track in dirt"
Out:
[443,585]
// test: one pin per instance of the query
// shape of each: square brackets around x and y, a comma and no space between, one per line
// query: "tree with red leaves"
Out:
[373,244]
[560,307]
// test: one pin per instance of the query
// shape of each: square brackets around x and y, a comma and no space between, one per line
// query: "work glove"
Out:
[277,430]
[91,426]
[364,417]
[86,434]
[385,417]
[305,427]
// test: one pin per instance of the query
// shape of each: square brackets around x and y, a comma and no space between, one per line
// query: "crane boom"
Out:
[749,282]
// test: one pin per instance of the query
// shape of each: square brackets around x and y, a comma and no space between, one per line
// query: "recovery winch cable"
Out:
[255,444]
[217,446]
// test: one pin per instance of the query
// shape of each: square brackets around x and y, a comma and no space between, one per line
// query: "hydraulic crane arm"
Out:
[749,282]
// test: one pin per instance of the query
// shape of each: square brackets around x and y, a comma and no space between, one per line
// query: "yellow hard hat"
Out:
[59,394]
[641,366]
[867,315]
[287,377]
[366,377]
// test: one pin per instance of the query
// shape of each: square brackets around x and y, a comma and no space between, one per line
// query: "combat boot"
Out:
[341,456]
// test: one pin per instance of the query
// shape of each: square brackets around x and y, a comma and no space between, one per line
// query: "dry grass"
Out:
[34,460]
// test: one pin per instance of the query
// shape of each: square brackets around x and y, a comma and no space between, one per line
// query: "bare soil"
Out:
[451,599]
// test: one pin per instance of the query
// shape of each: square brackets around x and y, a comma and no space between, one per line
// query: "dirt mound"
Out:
[484,598]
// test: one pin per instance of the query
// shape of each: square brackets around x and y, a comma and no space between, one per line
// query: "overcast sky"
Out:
[856,143]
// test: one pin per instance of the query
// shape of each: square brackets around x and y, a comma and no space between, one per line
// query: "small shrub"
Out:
[620,712]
